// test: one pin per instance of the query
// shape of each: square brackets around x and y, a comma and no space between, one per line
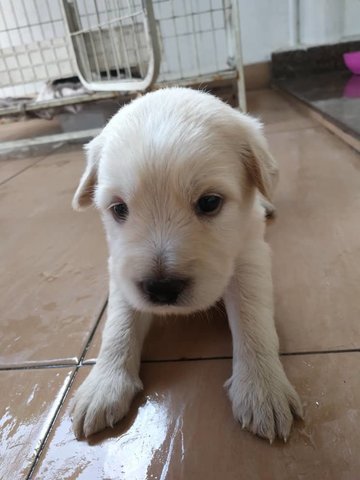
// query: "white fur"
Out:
[160,154]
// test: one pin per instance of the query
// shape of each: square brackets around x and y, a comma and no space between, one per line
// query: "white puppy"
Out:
[175,176]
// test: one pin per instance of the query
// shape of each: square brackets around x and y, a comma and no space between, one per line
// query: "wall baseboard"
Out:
[257,75]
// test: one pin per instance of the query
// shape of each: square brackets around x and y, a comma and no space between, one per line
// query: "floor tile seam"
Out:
[49,365]
[67,390]
[78,367]
[46,156]
[92,333]
[229,357]
[52,422]
[321,352]
[38,366]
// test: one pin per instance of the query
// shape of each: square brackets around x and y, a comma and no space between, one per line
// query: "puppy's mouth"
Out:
[168,310]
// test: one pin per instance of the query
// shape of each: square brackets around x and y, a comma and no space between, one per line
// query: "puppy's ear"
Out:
[85,191]
[261,167]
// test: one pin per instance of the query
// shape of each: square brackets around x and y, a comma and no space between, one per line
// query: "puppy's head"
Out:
[174,176]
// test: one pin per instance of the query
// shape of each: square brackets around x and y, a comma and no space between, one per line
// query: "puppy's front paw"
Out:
[102,400]
[264,403]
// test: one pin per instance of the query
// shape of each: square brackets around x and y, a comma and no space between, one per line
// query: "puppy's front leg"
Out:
[263,400]
[106,394]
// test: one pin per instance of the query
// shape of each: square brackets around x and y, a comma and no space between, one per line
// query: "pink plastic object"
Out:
[352,61]
[352,87]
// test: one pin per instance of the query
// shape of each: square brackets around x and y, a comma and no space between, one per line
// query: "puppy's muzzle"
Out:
[164,291]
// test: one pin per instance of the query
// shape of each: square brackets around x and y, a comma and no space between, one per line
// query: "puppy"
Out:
[176,176]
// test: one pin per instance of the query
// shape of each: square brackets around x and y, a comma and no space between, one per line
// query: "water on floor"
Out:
[53,290]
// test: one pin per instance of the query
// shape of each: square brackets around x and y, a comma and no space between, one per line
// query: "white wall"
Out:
[275,25]
[264,28]
[352,18]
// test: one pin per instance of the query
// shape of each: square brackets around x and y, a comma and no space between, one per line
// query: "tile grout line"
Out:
[62,365]
[320,352]
[189,359]
[166,360]
[229,357]
[38,366]
[53,420]
[62,401]
[91,336]
[29,166]
[81,364]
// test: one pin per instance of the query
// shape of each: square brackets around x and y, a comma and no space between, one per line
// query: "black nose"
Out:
[163,291]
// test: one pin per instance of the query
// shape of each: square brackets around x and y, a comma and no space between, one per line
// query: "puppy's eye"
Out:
[209,204]
[120,211]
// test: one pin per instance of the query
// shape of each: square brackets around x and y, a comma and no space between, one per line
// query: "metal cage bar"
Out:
[116,45]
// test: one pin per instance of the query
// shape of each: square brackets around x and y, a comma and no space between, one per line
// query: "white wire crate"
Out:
[116,45]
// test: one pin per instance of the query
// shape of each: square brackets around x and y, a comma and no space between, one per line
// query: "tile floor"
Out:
[334,95]
[31,128]
[53,291]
